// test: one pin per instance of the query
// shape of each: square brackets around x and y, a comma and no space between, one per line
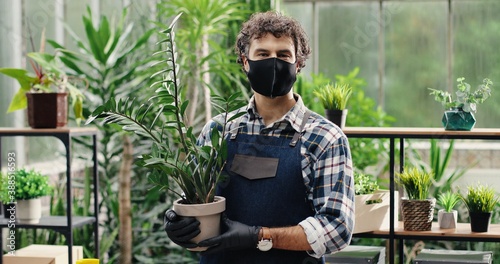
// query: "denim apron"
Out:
[264,188]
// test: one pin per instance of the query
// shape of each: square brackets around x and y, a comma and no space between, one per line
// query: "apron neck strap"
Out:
[297,134]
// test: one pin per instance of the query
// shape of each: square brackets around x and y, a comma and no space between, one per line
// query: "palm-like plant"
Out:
[174,153]
[416,182]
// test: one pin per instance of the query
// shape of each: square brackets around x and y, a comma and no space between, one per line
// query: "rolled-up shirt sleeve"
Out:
[328,173]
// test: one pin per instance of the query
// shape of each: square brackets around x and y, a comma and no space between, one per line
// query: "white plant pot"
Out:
[29,211]
[447,220]
[372,216]
[208,214]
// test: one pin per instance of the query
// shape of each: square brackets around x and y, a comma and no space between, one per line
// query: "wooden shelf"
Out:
[51,222]
[400,134]
[420,132]
[462,232]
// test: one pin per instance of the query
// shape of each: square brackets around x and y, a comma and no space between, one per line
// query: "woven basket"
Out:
[417,214]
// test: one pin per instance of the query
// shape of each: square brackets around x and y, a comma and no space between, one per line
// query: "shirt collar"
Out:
[294,116]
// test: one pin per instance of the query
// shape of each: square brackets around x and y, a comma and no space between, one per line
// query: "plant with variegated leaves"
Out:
[466,98]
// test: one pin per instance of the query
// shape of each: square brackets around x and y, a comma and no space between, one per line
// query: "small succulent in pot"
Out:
[447,217]
[448,200]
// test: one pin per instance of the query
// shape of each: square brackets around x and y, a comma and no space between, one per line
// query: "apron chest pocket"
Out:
[253,168]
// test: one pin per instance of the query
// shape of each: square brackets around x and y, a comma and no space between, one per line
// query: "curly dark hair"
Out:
[277,24]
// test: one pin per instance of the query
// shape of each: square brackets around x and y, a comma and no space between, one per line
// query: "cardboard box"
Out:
[43,254]
[358,254]
[440,256]
[374,216]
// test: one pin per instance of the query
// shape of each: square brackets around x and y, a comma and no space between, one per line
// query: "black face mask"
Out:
[271,77]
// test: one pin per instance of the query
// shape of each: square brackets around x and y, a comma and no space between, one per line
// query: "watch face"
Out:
[265,245]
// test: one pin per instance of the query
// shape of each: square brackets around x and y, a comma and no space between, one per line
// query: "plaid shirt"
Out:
[326,170]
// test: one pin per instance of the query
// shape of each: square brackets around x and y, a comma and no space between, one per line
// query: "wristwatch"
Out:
[266,241]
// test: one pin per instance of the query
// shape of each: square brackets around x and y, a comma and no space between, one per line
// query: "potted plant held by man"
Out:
[417,208]
[447,216]
[459,111]
[480,201]
[334,99]
[174,154]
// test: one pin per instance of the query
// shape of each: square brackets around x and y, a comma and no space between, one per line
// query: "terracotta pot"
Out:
[447,220]
[47,110]
[208,214]
[29,211]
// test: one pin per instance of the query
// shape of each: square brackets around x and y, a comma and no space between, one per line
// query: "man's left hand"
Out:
[236,236]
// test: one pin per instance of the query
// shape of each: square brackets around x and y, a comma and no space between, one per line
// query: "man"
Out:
[290,193]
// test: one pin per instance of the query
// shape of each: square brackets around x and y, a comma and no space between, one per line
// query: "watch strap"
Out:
[266,233]
[265,239]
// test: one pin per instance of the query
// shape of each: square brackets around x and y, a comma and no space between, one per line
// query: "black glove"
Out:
[236,236]
[181,229]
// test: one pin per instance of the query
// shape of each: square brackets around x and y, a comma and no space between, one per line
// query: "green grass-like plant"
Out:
[480,198]
[448,200]
[334,96]
[416,182]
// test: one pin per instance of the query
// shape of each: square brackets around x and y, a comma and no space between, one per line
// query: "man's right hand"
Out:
[181,230]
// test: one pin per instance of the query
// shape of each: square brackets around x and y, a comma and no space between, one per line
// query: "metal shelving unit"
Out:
[62,224]
[462,233]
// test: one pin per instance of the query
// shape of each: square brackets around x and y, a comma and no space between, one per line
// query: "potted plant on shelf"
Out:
[371,204]
[334,99]
[417,208]
[447,216]
[45,92]
[459,113]
[174,154]
[480,201]
[26,188]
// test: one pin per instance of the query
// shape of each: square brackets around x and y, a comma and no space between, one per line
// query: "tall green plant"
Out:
[206,59]
[196,169]
[114,57]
